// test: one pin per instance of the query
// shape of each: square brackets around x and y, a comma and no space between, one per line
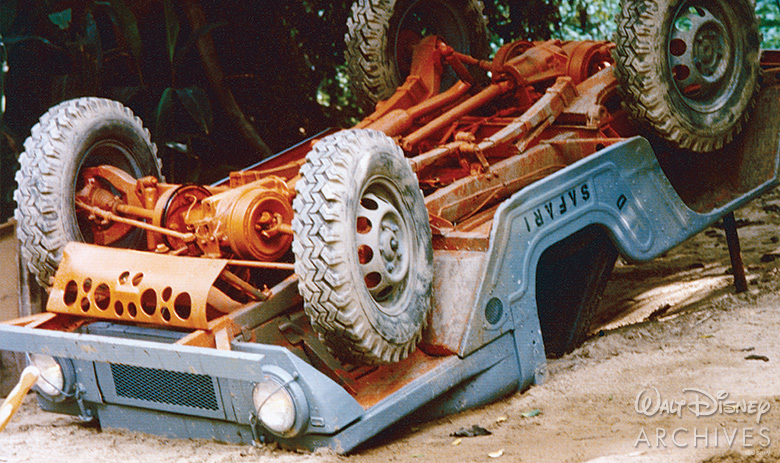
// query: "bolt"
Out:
[390,268]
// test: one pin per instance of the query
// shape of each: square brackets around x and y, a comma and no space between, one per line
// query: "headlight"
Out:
[275,406]
[52,379]
[280,403]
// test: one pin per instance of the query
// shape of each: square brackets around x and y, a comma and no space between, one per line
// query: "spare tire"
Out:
[380,35]
[362,246]
[688,69]
[71,136]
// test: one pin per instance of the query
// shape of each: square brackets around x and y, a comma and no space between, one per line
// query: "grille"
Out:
[162,386]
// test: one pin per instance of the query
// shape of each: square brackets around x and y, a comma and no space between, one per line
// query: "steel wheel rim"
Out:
[701,51]
[384,244]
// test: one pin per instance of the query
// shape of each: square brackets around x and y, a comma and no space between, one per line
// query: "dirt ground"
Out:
[679,369]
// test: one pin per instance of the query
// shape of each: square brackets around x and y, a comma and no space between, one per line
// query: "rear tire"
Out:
[362,246]
[688,69]
[71,136]
[380,33]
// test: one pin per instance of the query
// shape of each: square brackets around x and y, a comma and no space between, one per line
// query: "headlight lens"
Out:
[275,406]
[52,379]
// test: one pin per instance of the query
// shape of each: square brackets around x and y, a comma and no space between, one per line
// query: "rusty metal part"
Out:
[218,334]
[265,265]
[424,77]
[133,286]
[506,53]
[545,61]
[544,110]
[587,58]
[589,109]
[735,252]
[493,91]
[94,180]
[251,220]
[460,199]
[175,210]
[465,197]
[398,121]
[286,171]
[111,217]
[248,289]
[455,62]
[547,108]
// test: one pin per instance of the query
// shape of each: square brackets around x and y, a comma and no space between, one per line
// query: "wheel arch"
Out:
[629,197]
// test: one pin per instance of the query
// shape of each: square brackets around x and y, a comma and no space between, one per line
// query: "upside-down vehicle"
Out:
[425,261]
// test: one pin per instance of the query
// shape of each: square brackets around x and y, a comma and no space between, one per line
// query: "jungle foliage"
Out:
[221,83]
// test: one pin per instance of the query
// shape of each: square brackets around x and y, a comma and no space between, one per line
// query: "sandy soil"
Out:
[673,341]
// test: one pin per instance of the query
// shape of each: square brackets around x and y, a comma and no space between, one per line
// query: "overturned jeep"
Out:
[422,262]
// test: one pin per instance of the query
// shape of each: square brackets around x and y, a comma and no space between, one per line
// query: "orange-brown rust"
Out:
[31,321]
[287,171]
[218,335]
[493,91]
[251,220]
[378,383]
[587,58]
[423,81]
[133,286]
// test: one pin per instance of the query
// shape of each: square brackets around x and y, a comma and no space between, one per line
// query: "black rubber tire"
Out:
[570,279]
[688,69]
[376,63]
[70,136]
[348,179]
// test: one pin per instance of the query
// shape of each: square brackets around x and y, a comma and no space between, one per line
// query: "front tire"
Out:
[689,69]
[363,247]
[71,136]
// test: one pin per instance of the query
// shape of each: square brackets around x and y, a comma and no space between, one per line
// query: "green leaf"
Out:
[196,102]
[62,18]
[129,27]
[162,115]
[172,28]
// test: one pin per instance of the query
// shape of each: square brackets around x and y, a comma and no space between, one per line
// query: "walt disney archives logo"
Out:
[699,403]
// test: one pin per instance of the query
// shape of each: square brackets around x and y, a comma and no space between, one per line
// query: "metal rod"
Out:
[136,211]
[265,265]
[735,253]
[482,98]
[187,237]
[237,282]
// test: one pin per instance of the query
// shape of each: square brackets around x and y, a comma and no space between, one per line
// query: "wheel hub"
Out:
[709,49]
[700,53]
[388,242]
[382,246]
